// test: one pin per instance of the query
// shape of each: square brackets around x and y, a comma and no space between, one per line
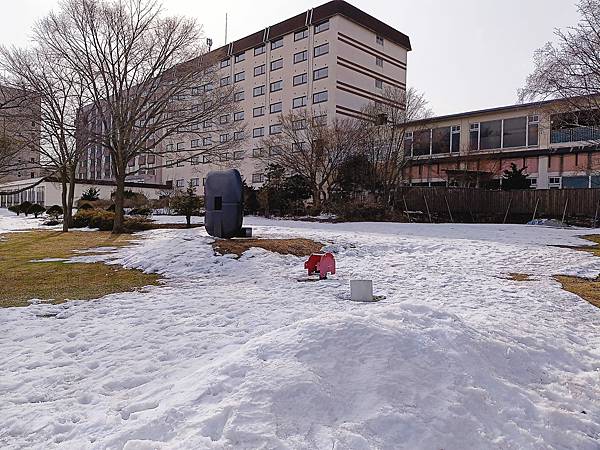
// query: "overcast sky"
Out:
[467,54]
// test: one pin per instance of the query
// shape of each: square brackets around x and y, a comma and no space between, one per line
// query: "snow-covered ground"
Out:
[237,354]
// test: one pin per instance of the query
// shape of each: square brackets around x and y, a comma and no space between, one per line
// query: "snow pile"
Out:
[11,222]
[238,354]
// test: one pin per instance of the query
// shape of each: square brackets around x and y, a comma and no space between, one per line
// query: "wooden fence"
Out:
[463,204]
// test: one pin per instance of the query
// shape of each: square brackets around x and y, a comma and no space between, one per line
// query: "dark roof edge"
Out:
[300,21]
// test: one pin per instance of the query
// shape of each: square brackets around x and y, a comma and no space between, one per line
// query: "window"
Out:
[300,56]
[225,63]
[259,70]
[533,131]
[299,102]
[224,119]
[379,61]
[238,116]
[378,83]
[275,128]
[276,86]
[240,76]
[514,132]
[225,81]
[195,181]
[206,159]
[258,132]
[207,141]
[258,90]
[169,147]
[277,44]
[320,97]
[238,96]
[299,35]
[275,108]
[554,182]
[320,120]
[180,183]
[577,182]
[275,150]
[440,140]
[532,183]
[320,27]
[455,139]
[224,157]
[299,124]
[421,142]
[300,79]
[223,138]
[321,73]
[298,147]
[196,90]
[379,40]
[258,111]
[259,50]
[181,146]
[207,124]
[474,136]
[277,64]
[258,177]
[257,152]
[195,143]
[238,135]
[238,155]
[208,87]
[408,143]
[322,49]
[490,135]
[239,58]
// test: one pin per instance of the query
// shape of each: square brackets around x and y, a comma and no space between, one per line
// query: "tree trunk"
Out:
[68,212]
[188,219]
[119,224]
[316,194]
[63,198]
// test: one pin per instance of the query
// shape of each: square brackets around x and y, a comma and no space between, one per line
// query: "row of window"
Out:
[275,44]
[275,65]
[495,134]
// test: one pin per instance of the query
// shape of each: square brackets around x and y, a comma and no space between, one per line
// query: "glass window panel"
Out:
[490,134]
[515,132]
[441,140]
[575,182]
[421,142]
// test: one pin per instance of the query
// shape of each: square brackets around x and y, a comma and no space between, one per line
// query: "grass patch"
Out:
[520,277]
[23,279]
[296,247]
[587,289]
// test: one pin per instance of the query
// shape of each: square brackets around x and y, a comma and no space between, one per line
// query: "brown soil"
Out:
[519,277]
[296,247]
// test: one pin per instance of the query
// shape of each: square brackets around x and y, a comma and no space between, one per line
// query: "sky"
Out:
[467,54]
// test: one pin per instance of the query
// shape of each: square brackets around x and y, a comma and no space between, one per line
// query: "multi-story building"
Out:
[557,145]
[333,59]
[20,114]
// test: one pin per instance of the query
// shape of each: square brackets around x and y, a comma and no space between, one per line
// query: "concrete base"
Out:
[361,290]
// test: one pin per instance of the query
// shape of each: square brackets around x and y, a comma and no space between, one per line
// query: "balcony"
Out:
[576,134]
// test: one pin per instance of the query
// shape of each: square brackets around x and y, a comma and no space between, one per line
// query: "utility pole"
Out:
[225,28]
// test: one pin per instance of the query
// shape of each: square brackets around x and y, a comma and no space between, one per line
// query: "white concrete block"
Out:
[361,290]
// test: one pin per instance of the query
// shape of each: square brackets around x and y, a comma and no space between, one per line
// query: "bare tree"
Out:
[308,146]
[52,130]
[140,69]
[386,146]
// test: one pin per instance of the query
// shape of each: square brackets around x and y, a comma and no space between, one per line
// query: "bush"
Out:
[15,209]
[55,211]
[104,221]
[91,194]
[85,206]
[144,212]
[36,209]
[24,207]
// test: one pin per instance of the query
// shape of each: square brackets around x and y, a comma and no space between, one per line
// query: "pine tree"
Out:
[187,204]
[515,178]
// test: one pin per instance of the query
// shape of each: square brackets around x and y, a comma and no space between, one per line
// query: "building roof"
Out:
[310,17]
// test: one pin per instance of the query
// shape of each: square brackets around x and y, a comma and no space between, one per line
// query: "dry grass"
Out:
[588,289]
[296,247]
[23,279]
[519,277]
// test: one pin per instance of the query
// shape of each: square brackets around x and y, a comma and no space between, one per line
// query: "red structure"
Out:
[323,263]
